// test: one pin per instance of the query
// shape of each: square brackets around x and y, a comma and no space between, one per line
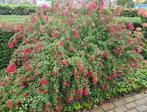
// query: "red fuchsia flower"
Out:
[55,8]
[9,104]
[10,45]
[110,78]
[23,85]
[44,82]
[54,34]
[80,92]
[88,73]
[61,43]
[94,81]
[26,41]
[45,18]
[117,50]
[38,47]
[86,91]
[75,34]
[59,108]
[129,41]
[80,67]
[72,49]
[106,55]
[11,69]
[27,66]
[70,20]
[45,92]
[27,51]
[65,62]
[70,99]
[66,84]
[92,6]
[64,12]
[102,6]
[131,27]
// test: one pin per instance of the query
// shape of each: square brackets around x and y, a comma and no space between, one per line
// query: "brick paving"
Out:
[129,103]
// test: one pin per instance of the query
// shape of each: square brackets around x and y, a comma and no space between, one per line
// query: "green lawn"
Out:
[12,19]
[129,19]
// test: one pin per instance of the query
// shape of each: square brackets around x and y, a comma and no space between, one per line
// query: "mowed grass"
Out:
[129,19]
[12,19]
[16,19]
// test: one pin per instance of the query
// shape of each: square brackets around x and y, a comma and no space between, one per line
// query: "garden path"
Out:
[130,103]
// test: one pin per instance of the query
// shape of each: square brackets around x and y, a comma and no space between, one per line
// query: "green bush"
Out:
[5,51]
[129,13]
[69,59]
[17,10]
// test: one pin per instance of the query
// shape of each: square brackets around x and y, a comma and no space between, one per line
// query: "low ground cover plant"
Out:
[67,59]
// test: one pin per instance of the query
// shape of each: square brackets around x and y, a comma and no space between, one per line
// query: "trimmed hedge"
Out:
[6,52]
[129,13]
[17,10]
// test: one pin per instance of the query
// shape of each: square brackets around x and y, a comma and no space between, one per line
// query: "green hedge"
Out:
[129,13]
[17,10]
[5,52]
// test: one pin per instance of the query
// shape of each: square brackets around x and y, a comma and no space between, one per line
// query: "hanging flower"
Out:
[45,92]
[11,69]
[44,82]
[117,50]
[86,91]
[55,8]
[64,12]
[106,55]
[131,27]
[9,104]
[66,84]
[80,67]
[54,34]
[27,66]
[70,99]
[27,51]
[75,34]
[10,45]
[38,47]
[80,92]
[61,43]
[92,6]
[65,62]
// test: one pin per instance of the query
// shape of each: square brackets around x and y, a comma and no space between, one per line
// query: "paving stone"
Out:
[121,108]
[130,105]
[129,99]
[98,109]
[118,102]
[145,98]
[140,101]
[142,108]
[111,111]
[133,110]
[138,96]
[108,106]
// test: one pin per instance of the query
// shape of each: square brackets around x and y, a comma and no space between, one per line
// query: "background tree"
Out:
[125,3]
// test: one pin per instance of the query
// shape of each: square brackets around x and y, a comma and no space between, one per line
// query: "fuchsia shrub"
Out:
[64,57]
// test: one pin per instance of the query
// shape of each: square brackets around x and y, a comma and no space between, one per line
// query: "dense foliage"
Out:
[70,56]
[6,52]
[17,10]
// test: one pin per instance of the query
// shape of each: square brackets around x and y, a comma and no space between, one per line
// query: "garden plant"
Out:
[68,58]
